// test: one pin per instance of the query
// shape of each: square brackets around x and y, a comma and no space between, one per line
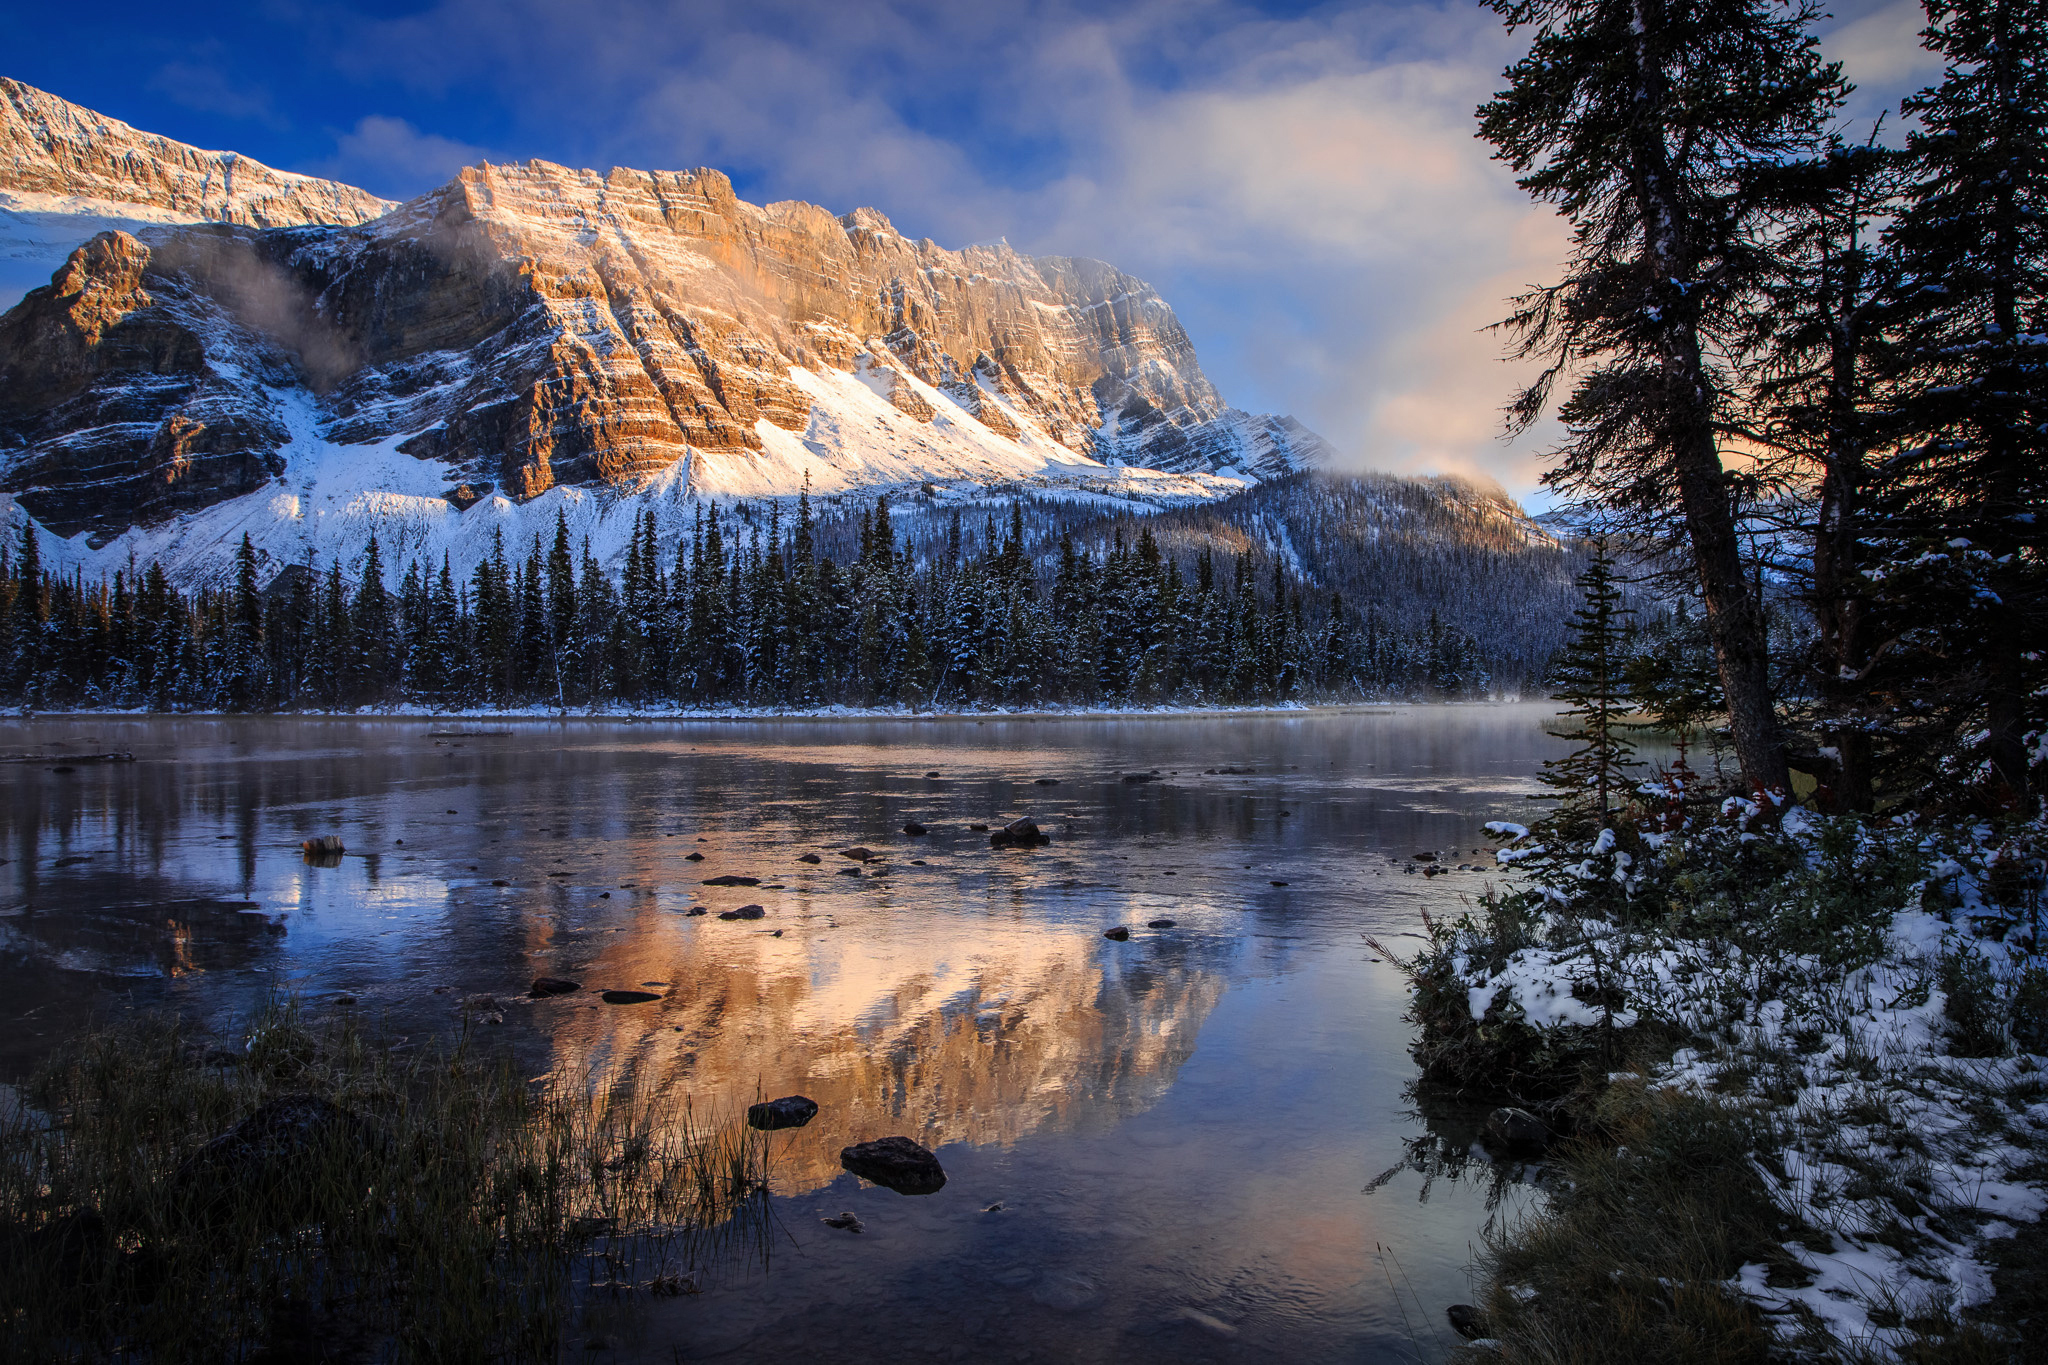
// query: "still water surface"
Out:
[1180,1129]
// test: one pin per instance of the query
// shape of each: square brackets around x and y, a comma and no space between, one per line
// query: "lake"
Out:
[1180,1130]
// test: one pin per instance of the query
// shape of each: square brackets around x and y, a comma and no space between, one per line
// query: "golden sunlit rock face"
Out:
[52,146]
[532,326]
[982,1035]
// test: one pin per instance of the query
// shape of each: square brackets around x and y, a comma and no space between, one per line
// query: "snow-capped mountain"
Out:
[531,338]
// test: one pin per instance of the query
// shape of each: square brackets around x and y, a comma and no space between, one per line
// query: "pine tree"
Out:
[1645,122]
[1590,676]
[1965,494]
[1820,328]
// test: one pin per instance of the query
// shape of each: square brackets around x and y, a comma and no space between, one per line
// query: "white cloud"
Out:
[1307,191]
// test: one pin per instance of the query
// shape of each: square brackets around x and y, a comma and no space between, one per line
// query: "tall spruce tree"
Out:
[1645,122]
[1966,491]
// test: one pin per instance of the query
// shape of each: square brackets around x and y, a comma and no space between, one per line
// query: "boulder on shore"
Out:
[897,1162]
[791,1111]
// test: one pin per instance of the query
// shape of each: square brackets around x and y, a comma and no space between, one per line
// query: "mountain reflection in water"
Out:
[1179,1129]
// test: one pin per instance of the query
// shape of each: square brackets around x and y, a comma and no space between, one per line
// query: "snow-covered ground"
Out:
[1908,1157]
[332,497]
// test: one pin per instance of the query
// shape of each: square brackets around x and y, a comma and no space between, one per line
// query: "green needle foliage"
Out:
[1590,675]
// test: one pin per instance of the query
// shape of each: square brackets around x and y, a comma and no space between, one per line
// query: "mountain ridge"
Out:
[527,337]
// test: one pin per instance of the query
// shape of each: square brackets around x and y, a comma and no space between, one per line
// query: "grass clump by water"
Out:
[309,1192]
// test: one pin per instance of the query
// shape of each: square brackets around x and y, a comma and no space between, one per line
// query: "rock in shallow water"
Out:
[629,997]
[1119,933]
[791,1111]
[744,912]
[1466,1321]
[1518,1130]
[553,985]
[1019,834]
[897,1162]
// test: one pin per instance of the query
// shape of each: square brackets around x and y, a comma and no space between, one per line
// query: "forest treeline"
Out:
[747,612]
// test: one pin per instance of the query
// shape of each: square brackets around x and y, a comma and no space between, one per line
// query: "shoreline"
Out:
[742,715]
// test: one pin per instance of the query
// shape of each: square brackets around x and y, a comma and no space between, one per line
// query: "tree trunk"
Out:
[1735,618]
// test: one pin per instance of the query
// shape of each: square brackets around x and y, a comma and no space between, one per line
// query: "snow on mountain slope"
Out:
[67,173]
[529,339]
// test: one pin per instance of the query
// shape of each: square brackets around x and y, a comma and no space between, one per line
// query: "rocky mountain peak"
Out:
[530,329]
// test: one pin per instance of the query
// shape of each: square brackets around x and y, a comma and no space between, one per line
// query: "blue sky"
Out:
[1300,181]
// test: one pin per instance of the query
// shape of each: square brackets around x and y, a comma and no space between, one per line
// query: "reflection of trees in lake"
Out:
[1449,1149]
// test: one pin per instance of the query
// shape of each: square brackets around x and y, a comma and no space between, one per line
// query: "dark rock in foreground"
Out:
[270,1156]
[896,1162]
[553,985]
[791,1111]
[1466,1321]
[1019,834]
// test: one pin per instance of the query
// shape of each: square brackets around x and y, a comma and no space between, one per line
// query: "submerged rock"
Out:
[897,1162]
[1045,782]
[553,985]
[1518,1130]
[629,997]
[1159,924]
[791,1111]
[848,1220]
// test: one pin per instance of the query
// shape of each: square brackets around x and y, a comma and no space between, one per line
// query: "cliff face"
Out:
[50,146]
[527,328]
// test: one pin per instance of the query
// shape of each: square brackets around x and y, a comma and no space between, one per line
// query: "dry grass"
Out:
[461,1219]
